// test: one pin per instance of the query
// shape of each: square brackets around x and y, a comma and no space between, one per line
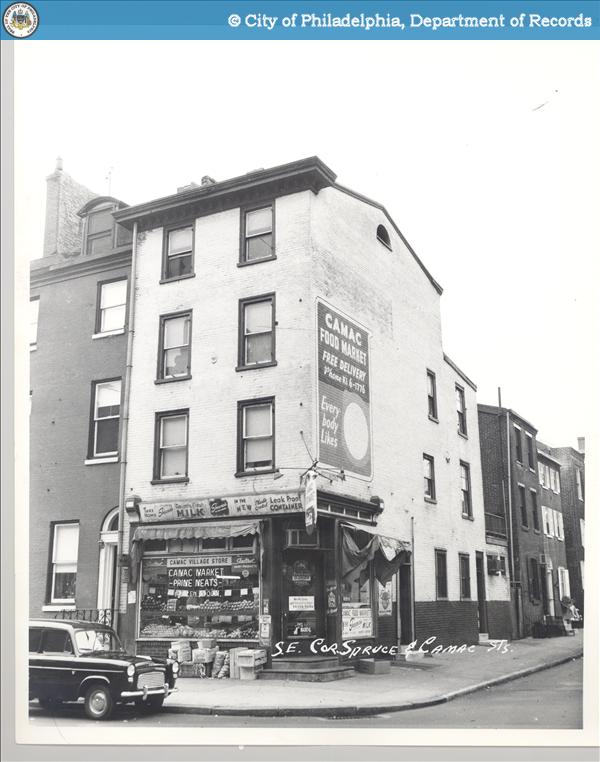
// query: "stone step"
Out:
[279,664]
[308,675]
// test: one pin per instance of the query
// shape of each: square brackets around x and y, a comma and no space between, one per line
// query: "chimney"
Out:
[64,198]
[187,187]
[208,180]
[581,444]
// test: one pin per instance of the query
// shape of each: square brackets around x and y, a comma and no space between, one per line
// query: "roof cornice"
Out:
[80,267]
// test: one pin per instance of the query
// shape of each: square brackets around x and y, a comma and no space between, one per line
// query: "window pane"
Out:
[259,221]
[176,332]
[108,398]
[427,468]
[107,436]
[257,421]
[100,221]
[177,362]
[66,542]
[113,294]
[259,453]
[112,318]
[100,245]
[259,348]
[180,241]
[178,266]
[64,585]
[259,247]
[174,431]
[258,317]
[173,462]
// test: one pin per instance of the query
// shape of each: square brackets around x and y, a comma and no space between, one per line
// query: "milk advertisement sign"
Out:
[343,388]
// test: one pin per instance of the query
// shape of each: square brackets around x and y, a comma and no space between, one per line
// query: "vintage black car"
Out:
[70,660]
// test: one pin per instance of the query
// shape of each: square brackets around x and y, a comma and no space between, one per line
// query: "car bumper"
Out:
[143,693]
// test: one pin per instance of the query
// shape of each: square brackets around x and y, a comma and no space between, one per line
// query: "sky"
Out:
[484,153]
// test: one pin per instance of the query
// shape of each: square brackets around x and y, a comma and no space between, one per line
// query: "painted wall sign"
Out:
[344,414]
[357,623]
[301,603]
[234,507]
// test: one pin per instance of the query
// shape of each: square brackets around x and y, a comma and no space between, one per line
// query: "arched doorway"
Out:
[109,538]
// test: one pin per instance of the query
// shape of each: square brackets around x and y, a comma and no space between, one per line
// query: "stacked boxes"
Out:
[250,661]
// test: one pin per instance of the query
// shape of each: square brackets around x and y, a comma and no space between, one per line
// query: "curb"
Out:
[365,711]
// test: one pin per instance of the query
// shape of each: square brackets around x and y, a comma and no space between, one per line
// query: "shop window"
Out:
[256,442]
[178,253]
[243,541]
[431,396]
[465,489]
[523,507]
[256,332]
[174,361]
[65,548]
[206,595]
[34,309]
[257,235]
[111,306]
[106,411]
[357,609]
[441,576]
[214,543]
[429,477]
[461,410]
[299,538]
[155,546]
[171,446]
[465,576]
[534,510]
[383,236]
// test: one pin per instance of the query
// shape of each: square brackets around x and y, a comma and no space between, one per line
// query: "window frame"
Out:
[441,553]
[469,492]
[535,591]
[522,493]
[100,209]
[242,405]
[92,454]
[167,230]
[535,510]
[464,595]
[431,496]
[461,411]
[579,484]
[160,377]
[432,405]
[32,299]
[518,444]
[242,304]
[98,322]
[157,460]
[51,571]
[244,211]
[530,451]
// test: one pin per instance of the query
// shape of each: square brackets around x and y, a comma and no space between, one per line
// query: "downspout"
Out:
[510,524]
[412,577]
[125,420]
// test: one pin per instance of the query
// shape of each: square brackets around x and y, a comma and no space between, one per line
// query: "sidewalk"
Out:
[409,686]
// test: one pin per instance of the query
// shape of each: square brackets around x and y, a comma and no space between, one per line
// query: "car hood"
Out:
[125,658]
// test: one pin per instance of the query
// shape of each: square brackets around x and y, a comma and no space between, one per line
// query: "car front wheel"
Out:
[98,703]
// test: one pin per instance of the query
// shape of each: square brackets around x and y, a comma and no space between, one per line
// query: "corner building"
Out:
[282,319]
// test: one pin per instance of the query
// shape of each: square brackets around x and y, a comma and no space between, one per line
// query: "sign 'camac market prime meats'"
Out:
[344,415]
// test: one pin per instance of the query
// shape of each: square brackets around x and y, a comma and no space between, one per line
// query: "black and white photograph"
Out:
[304,363]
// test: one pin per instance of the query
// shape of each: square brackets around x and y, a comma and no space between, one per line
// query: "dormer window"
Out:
[101,232]
[383,236]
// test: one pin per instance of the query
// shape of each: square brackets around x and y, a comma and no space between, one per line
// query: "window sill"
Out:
[106,334]
[257,366]
[179,277]
[256,261]
[100,461]
[59,607]
[524,528]
[433,418]
[172,380]
[174,480]
[467,517]
[255,473]
[537,531]
[430,500]
[32,347]
[463,435]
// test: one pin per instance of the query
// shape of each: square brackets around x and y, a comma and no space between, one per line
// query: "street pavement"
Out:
[551,698]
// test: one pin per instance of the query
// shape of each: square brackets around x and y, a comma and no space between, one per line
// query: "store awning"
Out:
[185,532]
[388,553]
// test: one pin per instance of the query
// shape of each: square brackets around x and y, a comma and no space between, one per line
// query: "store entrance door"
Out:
[303,604]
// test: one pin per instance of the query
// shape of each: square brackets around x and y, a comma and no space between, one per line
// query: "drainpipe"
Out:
[510,524]
[125,420]
[412,577]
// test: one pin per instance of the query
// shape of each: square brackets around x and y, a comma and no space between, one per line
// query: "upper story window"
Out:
[100,230]
[256,441]
[257,235]
[523,506]
[441,575]
[530,455]
[34,309]
[461,410]
[111,306]
[580,483]
[171,446]
[106,410]
[65,547]
[428,477]
[431,396]
[465,488]
[175,339]
[383,236]
[178,253]
[256,332]
[518,445]
[465,576]
[534,510]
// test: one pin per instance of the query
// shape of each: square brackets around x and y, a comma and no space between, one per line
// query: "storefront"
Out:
[260,578]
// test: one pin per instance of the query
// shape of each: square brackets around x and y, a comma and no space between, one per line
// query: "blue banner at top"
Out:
[301,20]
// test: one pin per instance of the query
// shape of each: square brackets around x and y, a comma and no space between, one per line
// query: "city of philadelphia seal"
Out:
[20,20]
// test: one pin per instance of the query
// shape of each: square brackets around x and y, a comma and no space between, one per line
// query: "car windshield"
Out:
[90,641]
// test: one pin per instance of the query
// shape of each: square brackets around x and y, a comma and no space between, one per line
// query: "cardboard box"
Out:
[374,666]
[207,643]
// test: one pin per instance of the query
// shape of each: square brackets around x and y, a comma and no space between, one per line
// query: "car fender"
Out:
[87,681]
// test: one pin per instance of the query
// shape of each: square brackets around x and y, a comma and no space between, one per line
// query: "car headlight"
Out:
[131,670]
[175,667]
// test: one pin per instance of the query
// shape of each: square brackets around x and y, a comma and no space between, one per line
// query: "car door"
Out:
[35,668]
[59,663]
